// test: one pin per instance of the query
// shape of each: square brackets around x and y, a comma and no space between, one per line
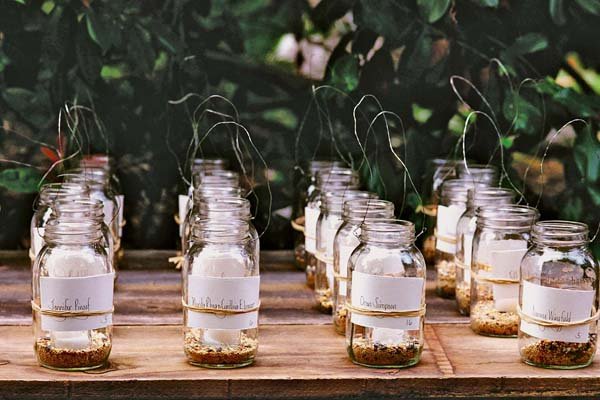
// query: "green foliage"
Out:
[128,59]
[20,180]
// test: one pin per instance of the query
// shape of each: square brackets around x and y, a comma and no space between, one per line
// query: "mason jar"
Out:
[453,203]
[199,166]
[465,229]
[337,179]
[73,285]
[387,297]
[329,221]
[49,193]
[355,213]
[204,193]
[478,173]
[437,172]
[500,242]
[559,297]
[221,296]
[305,184]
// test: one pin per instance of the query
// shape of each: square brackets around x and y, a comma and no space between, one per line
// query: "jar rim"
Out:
[506,217]
[387,230]
[560,232]
[361,208]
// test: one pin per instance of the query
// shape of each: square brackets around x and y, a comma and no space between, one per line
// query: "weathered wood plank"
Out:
[151,296]
[294,361]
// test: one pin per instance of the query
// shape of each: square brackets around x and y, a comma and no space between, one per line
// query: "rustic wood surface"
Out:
[299,355]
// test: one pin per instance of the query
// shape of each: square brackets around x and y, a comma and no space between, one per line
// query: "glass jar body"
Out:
[311,217]
[449,212]
[568,278]
[495,264]
[72,343]
[327,226]
[345,242]
[386,342]
[228,272]
[465,230]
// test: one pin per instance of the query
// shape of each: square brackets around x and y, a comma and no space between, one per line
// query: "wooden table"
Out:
[300,356]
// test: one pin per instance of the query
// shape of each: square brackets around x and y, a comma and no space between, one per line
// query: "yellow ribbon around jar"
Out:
[218,311]
[496,281]
[444,238]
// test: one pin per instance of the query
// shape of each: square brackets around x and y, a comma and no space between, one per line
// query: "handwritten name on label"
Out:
[311,215]
[447,219]
[90,293]
[235,294]
[384,293]
[560,305]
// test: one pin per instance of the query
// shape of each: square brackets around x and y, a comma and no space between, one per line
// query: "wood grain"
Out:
[294,361]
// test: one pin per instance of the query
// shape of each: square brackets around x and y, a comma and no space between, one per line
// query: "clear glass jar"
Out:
[330,180]
[500,242]
[200,166]
[387,291]
[559,287]
[465,229]
[73,285]
[453,203]
[437,172]
[203,193]
[345,242]
[478,173]
[305,184]
[330,219]
[49,193]
[221,296]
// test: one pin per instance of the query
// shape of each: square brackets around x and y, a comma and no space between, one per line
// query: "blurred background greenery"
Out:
[533,65]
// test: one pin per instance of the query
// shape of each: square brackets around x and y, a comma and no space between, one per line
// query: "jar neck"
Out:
[359,210]
[333,203]
[487,197]
[392,233]
[220,232]
[560,234]
[509,218]
[478,173]
[235,208]
[454,191]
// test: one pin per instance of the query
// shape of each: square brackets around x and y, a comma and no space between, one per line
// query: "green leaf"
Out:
[488,3]
[20,2]
[525,117]
[587,156]
[507,141]
[433,10]
[283,116]
[529,43]
[20,180]
[578,104]
[103,30]
[421,114]
[169,40]
[591,6]
[557,12]
[345,73]
[19,99]
[48,6]
[594,193]
[113,72]
[386,18]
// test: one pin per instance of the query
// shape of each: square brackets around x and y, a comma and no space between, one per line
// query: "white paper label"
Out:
[345,253]
[90,293]
[447,219]
[37,240]
[504,257]
[240,293]
[121,203]
[183,202]
[562,305]
[311,215]
[385,293]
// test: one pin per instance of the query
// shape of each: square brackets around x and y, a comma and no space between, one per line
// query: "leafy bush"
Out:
[532,61]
